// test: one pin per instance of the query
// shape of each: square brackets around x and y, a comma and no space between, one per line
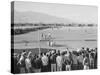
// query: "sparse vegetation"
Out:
[20,28]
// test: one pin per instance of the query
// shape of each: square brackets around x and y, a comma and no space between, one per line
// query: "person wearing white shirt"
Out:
[59,62]
[28,64]
[44,62]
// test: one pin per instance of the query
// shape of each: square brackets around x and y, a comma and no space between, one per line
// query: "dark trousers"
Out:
[80,66]
[44,68]
[74,67]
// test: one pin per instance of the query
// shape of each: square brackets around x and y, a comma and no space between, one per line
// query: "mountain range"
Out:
[37,17]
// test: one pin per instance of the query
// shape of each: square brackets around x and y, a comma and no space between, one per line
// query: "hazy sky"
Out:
[76,13]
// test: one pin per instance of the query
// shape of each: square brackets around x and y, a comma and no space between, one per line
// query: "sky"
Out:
[76,13]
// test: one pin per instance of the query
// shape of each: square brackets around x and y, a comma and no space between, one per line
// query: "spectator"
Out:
[80,61]
[67,61]
[53,62]
[59,61]
[38,64]
[86,62]
[28,64]
[91,60]
[74,61]
[44,62]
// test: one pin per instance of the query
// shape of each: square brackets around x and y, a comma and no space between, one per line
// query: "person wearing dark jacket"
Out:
[38,64]
[16,67]
[53,62]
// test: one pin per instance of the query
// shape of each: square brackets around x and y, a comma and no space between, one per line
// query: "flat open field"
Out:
[71,37]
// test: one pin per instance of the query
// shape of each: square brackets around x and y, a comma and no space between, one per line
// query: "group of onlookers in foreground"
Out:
[55,60]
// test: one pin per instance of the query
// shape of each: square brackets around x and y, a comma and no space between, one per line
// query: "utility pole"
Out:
[39,44]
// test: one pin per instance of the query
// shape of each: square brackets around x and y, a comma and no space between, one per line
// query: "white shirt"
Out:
[28,62]
[59,60]
[45,60]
